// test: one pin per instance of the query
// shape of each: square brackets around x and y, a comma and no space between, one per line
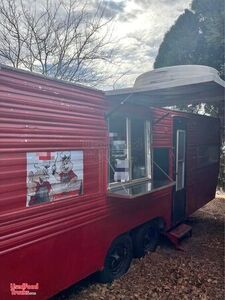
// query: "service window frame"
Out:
[148,151]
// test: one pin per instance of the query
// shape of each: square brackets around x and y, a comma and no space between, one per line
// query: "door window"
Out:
[180,159]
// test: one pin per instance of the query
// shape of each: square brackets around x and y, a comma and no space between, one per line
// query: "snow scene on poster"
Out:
[53,175]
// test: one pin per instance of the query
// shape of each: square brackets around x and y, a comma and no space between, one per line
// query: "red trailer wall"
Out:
[44,243]
[201,181]
[58,243]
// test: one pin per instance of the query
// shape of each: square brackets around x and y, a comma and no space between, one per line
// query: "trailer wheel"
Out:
[145,239]
[117,260]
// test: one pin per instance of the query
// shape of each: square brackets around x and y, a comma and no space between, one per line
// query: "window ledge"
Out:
[135,190]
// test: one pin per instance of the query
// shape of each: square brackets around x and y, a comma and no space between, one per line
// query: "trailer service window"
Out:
[129,149]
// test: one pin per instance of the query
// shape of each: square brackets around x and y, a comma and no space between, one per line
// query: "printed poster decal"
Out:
[53,175]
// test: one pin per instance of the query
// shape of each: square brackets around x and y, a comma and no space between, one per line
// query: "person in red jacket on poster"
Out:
[39,188]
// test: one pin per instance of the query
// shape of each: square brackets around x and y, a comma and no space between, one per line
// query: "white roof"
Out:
[173,85]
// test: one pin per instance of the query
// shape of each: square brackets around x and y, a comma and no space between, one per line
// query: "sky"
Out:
[135,29]
[138,30]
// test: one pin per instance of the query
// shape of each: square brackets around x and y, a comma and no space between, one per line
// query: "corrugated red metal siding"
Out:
[162,128]
[40,115]
[43,115]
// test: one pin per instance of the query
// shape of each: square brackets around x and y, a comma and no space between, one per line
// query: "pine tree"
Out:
[197,37]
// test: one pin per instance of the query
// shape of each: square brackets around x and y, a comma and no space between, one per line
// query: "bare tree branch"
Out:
[61,38]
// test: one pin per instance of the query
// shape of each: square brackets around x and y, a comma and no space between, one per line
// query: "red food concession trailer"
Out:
[90,179]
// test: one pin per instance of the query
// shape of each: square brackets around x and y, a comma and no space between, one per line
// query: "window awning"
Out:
[172,86]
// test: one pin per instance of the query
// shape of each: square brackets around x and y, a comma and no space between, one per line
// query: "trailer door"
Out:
[179,198]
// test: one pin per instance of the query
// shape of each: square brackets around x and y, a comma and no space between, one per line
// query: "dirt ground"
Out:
[196,273]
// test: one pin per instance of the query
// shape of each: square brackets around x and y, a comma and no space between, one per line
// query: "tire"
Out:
[118,259]
[145,239]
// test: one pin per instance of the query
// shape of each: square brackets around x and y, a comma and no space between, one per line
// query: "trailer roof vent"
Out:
[172,74]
